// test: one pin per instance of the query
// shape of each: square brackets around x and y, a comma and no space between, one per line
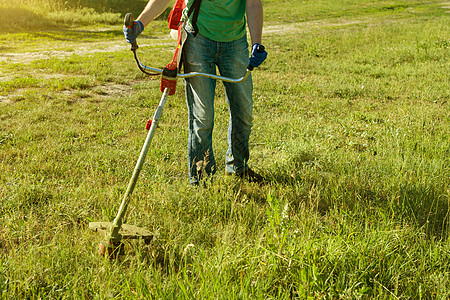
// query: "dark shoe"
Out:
[250,176]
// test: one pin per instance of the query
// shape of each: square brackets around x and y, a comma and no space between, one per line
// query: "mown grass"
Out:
[351,129]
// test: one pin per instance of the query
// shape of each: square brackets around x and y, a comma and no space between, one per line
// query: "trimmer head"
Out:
[114,249]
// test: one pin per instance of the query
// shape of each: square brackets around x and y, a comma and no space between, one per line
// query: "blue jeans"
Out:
[231,58]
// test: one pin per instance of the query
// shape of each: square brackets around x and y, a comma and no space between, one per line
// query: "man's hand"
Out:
[259,54]
[132,33]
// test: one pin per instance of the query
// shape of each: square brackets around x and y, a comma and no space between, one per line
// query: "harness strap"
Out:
[176,14]
[195,8]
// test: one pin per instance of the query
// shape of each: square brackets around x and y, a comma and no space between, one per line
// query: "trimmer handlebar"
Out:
[196,74]
[129,23]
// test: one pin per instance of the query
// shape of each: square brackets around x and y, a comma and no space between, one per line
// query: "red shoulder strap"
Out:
[175,14]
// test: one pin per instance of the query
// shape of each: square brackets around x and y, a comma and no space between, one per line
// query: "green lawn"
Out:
[351,129]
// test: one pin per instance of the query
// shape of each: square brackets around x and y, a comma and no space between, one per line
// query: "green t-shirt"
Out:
[220,20]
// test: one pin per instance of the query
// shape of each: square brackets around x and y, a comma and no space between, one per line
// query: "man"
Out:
[216,37]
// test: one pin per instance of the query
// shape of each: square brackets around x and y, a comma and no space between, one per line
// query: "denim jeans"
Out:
[231,58]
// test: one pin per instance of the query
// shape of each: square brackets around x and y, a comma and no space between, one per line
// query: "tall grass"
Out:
[351,130]
[38,14]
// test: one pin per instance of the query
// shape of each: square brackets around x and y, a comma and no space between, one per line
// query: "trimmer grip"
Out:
[129,23]
[259,49]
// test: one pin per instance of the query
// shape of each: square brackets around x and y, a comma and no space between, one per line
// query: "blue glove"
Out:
[259,54]
[132,33]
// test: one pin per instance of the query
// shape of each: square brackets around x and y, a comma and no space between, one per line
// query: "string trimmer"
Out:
[116,231]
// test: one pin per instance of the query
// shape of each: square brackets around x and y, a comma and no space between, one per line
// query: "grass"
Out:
[351,129]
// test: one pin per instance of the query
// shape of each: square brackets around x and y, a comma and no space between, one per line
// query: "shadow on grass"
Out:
[17,19]
[39,27]
[117,6]
[425,205]
[322,185]
[20,19]
[65,34]
[6,49]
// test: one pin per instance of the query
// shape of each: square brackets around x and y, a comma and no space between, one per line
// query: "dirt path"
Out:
[80,49]
[115,46]
[119,45]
